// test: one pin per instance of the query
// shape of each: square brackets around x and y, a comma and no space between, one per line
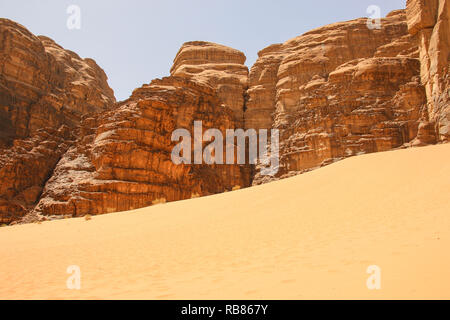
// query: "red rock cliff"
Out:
[123,160]
[337,91]
[44,91]
[429,21]
[218,66]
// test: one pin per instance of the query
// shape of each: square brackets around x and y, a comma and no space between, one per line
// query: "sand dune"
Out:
[310,236]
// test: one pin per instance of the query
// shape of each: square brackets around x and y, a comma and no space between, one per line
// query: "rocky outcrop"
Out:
[282,69]
[218,66]
[43,85]
[337,91]
[122,159]
[429,21]
[44,91]
[26,166]
[366,105]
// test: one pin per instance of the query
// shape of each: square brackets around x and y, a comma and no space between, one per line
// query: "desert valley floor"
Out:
[310,236]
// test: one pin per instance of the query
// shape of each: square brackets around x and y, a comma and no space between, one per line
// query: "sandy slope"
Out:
[311,236]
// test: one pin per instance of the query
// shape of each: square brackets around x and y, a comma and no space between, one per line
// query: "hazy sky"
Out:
[135,41]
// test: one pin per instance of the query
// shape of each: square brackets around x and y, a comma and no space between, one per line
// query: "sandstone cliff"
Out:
[429,21]
[26,166]
[337,91]
[122,159]
[44,91]
[43,85]
[218,66]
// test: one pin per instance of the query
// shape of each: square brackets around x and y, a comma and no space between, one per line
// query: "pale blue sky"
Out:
[135,41]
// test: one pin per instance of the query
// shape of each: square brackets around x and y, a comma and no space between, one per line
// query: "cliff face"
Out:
[337,91]
[218,66]
[429,21]
[123,157]
[43,85]
[282,69]
[25,167]
[44,91]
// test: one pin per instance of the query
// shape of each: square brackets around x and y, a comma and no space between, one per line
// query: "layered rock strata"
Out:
[44,91]
[337,91]
[25,168]
[429,21]
[43,85]
[122,159]
[218,66]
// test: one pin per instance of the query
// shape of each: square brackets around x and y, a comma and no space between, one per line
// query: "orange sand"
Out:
[310,236]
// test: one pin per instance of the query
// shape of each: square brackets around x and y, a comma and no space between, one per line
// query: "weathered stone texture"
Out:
[123,160]
[218,66]
[337,91]
[44,91]
[429,21]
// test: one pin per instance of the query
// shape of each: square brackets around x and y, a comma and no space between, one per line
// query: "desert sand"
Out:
[306,237]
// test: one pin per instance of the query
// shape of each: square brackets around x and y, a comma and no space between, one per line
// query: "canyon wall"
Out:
[122,159]
[43,85]
[218,66]
[44,91]
[429,21]
[337,91]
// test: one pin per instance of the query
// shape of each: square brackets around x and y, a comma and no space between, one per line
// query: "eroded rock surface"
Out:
[43,85]
[123,160]
[337,91]
[26,166]
[218,66]
[44,91]
[429,21]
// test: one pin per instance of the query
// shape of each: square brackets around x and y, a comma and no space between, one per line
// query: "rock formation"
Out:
[26,166]
[44,91]
[429,21]
[43,85]
[337,91]
[218,66]
[122,159]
